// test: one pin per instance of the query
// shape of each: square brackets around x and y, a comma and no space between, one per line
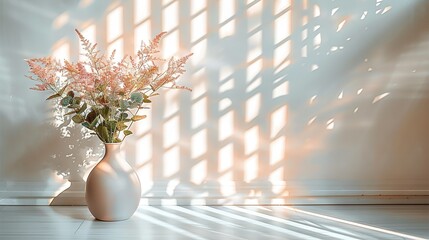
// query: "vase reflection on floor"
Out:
[113,189]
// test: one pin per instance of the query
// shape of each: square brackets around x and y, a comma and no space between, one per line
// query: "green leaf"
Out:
[124,105]
[103,133]
[147,100]
[136,97]
[53,96]
[105,112]
[123,116]
[134,105]
[70,113]
[116,140]
[127,132]
[121,126]
[73,105]
[111,126]
[87,125]
[77,100]
[82,108]
[94,122]
[62,90]
[78,118]
[91,116]
[66,101]
[138,117]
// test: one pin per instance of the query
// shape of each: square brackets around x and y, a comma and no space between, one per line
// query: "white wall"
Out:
[290,101]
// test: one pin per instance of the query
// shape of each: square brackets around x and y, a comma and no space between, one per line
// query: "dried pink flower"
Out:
[102,92]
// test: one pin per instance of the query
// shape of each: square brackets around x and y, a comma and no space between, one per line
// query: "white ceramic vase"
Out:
[113,189]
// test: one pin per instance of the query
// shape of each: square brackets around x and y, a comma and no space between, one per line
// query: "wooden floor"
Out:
[204,222]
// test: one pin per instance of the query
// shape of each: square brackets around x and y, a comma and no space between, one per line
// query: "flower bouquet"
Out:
[103,95]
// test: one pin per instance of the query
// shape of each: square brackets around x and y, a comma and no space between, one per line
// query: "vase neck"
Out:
[112,147]
[112,151]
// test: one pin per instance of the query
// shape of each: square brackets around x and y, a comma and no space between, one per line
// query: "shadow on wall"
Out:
[288,99]
[35,161]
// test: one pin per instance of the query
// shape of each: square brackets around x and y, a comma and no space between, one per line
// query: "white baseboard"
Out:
[249,201]
[261,193]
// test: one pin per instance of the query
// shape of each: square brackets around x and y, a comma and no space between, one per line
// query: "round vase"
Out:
[113,189]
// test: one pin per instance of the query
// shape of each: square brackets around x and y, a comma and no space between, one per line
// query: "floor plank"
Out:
[345,222]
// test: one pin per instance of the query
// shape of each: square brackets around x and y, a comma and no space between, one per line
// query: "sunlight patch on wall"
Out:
[341,25]
[227,85]
[251,168]
[379,97]
[142,33]
[61,50]
[277,150]
[199,112]
[254,70]
[197,6]
[225,72]
[170,20]
[226,158]
[145,126]
[144,161]
[281,5]
[61,20]
[171,162]
[170,44]
[253,105]
[311,121]
[317,40]
[282,27]
[171,132]
[254,12]
[254,85]
[144,149]
[199,87]
[199,26]
[278,121]
[141,10]
[282,31]
[226,20]
[226,125]
[114,22]
[224,104]
[330,124]
[316,11]
[255,46]
[199,50]
[173,106]
[199,172]
[118,47]
[276,176]
[312,99]
[281,90]
[251,140]
[199,144]
[170,16]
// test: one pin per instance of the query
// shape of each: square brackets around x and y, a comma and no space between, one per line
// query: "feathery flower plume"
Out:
[103,95]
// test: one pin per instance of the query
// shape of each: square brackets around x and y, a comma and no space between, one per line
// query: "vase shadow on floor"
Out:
[72,196]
